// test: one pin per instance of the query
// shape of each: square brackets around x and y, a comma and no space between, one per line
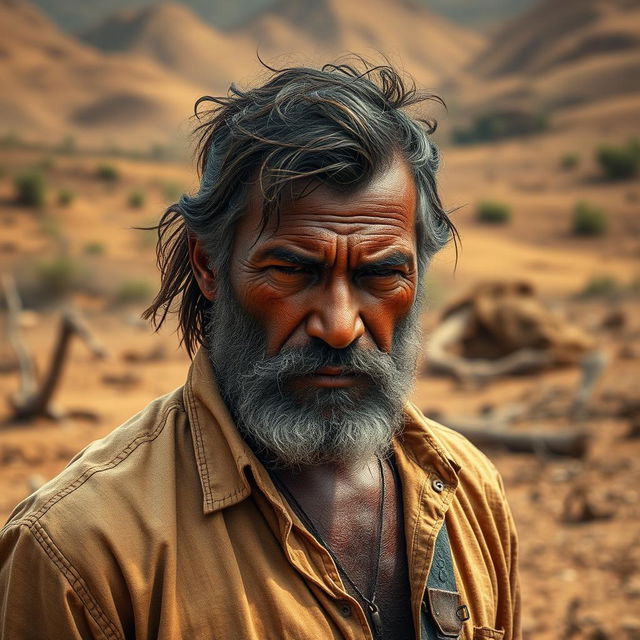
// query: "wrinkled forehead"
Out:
[384,204]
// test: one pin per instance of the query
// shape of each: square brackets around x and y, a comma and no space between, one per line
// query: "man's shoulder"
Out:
[106,470]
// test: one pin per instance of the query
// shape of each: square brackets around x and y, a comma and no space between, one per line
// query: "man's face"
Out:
[313,335]
[339,268]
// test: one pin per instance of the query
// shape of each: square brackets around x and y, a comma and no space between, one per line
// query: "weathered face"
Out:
[313,333]
[336,267]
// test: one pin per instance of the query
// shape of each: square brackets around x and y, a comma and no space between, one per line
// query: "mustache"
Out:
[354,360]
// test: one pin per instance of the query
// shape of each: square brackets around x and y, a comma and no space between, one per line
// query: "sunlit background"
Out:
[535,333]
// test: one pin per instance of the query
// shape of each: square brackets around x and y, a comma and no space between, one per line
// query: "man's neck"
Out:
[343,504]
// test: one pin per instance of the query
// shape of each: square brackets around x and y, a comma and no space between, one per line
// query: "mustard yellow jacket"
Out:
[171,528]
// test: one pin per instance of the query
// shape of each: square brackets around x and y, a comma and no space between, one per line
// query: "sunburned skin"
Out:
[337,267]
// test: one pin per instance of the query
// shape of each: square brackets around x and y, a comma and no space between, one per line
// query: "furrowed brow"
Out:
[288,255]
[395,259]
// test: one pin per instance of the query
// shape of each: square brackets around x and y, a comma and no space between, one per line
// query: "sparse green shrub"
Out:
[10,140]
[94,248]
[493,212]
[65,197]
[30,189]
[132,292]
[108,172]
[601,286]
[588,220]
[136,199]
[501,124]
[59,276]
[619,163]
[569,161]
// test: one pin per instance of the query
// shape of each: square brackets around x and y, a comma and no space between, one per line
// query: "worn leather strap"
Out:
[442,613]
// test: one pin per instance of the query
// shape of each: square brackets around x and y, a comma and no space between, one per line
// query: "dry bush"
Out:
[493,212]
[30,188]
[588,220]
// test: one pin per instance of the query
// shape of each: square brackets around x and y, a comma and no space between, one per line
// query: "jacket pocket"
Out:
[481,633]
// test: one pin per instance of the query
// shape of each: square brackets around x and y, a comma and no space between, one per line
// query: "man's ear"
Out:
[200,265]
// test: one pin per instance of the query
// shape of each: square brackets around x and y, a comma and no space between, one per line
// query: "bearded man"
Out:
[288,490]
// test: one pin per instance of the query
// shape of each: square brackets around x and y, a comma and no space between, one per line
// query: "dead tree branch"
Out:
[33,400]
[485,434]
[28,381]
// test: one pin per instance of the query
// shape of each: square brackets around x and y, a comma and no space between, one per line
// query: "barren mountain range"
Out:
[132,78]
[560,55]
[79,15]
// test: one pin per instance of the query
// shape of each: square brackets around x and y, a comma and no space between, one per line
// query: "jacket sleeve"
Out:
[40,598]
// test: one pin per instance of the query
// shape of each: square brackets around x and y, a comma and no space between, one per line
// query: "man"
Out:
[288,490]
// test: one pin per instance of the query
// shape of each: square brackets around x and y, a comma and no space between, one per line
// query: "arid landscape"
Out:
[541,162]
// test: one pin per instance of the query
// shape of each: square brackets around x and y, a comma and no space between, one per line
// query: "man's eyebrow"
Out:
[288,255]
[395,259]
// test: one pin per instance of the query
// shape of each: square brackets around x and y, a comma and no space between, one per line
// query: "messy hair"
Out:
[337,126]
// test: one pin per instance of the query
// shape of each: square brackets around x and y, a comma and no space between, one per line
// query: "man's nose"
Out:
[335,318]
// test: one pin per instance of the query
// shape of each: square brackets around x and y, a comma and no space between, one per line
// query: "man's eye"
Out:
[289,270]
[383,273]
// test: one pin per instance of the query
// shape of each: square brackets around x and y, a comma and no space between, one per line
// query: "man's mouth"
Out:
[333,378]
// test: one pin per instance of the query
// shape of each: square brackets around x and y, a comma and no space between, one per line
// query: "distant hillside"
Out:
[173,36]
[293,32]
[480,15]
[53,85]
[553,34]
[559,55]
[426,44]
[78,15]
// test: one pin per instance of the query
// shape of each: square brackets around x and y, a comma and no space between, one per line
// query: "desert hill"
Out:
[559,56]
[172,35]
[76,16]
[54,85]
[427,45]
[553,34]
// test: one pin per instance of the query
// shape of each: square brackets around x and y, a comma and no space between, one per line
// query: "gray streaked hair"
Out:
[338,125]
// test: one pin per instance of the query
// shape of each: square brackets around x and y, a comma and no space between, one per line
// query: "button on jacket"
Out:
[171,528]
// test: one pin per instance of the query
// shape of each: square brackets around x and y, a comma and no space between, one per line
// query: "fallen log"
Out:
[485,434]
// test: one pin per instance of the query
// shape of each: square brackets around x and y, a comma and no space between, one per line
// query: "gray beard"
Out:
[289,428]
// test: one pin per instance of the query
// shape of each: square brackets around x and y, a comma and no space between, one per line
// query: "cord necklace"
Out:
[374,611]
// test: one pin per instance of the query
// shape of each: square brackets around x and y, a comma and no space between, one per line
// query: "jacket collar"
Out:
[222,456]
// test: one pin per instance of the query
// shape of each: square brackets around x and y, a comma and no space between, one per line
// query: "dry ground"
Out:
[578,579]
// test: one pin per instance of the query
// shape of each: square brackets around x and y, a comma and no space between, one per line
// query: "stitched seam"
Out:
[221,501]
[80,480]
[199,449]
[75,581]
